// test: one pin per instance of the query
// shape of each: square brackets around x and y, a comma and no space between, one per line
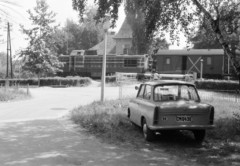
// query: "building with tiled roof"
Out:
[125,31]
[111,46]
[119,44]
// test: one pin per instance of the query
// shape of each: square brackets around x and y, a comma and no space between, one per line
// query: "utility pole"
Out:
[9,52]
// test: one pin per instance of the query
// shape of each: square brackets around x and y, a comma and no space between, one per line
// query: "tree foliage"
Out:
[79,36]
[135,18]
[220,18]
[3,59]
[40,56]
[205,40]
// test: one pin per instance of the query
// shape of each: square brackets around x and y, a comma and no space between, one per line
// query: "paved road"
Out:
[50,103]
[33,133]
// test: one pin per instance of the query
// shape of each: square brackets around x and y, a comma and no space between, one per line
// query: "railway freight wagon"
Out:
[91,65]
[188,61]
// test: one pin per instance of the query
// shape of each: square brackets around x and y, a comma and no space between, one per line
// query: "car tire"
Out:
[148,134]
[199,135]
[129,113]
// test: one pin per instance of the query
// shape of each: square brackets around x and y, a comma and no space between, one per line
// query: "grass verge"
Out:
[108,121]
[12,94]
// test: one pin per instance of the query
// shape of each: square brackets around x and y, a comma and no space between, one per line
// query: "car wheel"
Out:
[199,135]
[129,113]
[147,133]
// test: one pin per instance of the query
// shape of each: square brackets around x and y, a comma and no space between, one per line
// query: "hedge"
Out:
[50,81]
[139,77]
[217,84]
[110,79]
[202,84]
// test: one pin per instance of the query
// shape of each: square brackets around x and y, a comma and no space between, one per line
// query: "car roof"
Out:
[167,82]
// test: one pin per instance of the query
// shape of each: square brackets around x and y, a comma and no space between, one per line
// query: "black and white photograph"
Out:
[119,82]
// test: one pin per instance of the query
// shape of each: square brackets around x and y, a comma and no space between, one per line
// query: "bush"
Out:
[11,94]
[226,128]
[49,81]
[110,79]
[107,120]
[217,84]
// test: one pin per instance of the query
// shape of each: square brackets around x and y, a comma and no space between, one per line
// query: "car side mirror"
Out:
[136,87]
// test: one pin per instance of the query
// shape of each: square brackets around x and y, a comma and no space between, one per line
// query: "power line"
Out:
[13,10]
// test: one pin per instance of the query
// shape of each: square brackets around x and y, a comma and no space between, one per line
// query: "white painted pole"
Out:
[106,26]
[104,67]
[201,74]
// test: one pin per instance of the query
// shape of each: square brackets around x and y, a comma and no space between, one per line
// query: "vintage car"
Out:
[166,105]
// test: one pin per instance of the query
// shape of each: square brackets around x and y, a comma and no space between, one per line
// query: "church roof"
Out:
[111,46]
[124,32]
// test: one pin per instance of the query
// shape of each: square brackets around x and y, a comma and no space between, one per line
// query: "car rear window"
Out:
[175,92]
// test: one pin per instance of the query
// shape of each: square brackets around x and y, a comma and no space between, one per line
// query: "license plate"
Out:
[183,118]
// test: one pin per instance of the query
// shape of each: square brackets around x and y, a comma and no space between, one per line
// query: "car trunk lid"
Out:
[182,113]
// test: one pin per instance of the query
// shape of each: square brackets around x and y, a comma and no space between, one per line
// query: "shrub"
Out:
[110,79]
[217,84]
[11,94]
[108,119]
[49,81]
[226,128]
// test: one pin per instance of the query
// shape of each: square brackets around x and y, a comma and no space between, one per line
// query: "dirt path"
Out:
[32,133]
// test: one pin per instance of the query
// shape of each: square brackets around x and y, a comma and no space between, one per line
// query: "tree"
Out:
[40,56]
[3,58]
[203,40]
[156,44]
[79,36]
[219,17]
[134,16]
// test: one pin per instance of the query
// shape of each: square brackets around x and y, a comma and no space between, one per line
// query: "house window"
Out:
[168,61]
[130,63]
[125,51]
[126,48]
[209,60]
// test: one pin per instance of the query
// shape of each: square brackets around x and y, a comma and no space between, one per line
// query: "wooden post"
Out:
[28,89]
[6,84]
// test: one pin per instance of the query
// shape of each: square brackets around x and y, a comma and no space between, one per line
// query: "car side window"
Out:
[185,93]
[148,92]
[193,93]
[140,94]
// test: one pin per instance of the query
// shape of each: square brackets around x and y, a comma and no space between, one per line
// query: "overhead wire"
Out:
[13,10]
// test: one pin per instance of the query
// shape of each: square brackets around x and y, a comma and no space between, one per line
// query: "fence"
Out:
[222,95]
[134,77]
[208,96]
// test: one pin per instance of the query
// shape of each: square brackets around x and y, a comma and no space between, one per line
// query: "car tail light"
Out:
[211,115]
[156,113]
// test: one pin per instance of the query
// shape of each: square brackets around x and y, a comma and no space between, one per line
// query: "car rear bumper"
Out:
[182,127]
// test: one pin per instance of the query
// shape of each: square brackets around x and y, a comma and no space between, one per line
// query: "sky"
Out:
[18,15]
